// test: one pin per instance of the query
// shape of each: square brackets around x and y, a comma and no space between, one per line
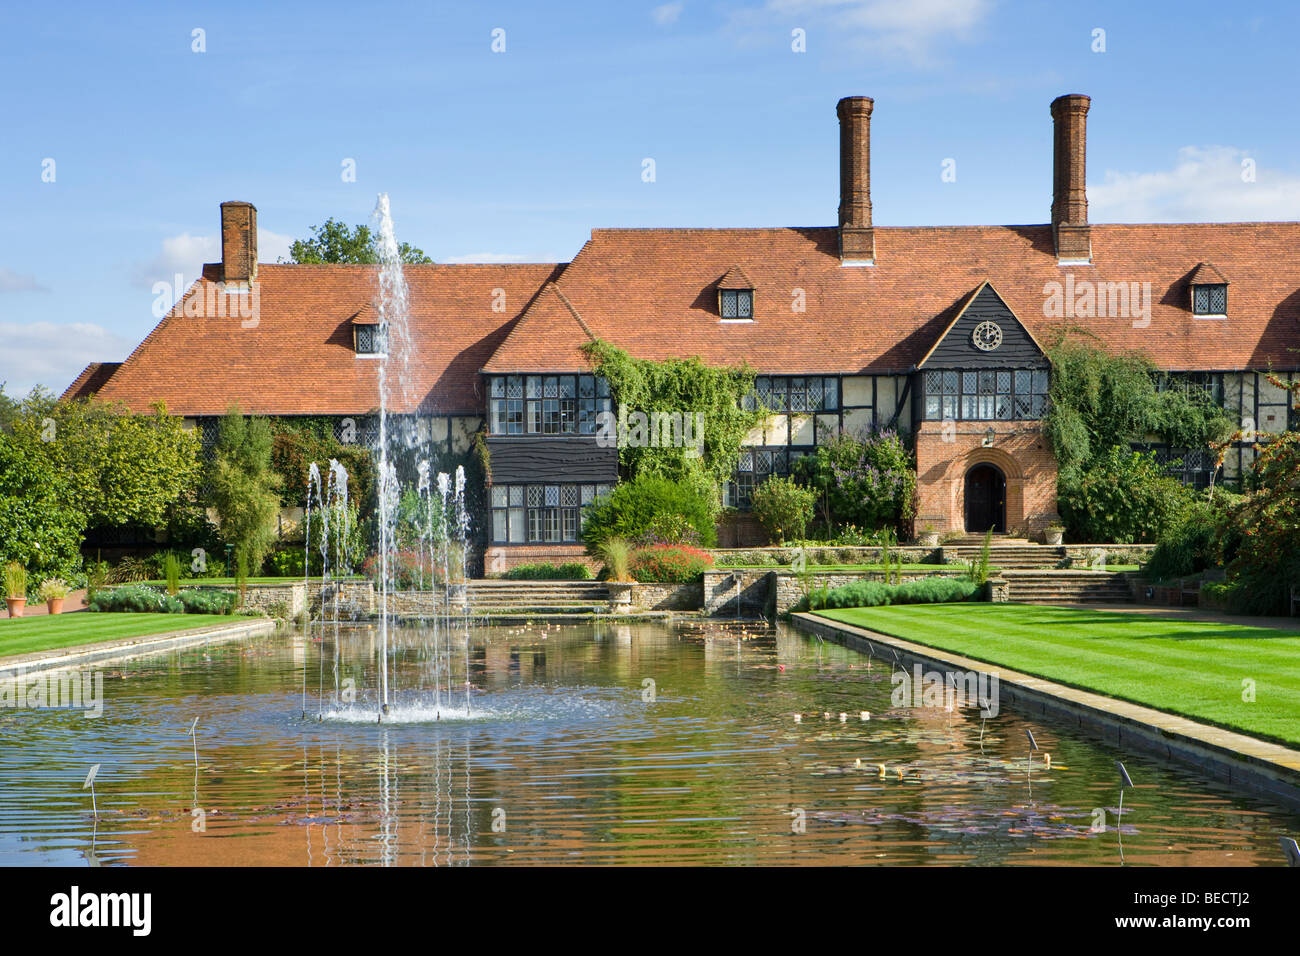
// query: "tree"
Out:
[1267,531]
[117,468]
[38,529]
[245,490]
[337,242]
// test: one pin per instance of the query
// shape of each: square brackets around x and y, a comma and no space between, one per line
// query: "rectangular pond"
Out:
[591,744]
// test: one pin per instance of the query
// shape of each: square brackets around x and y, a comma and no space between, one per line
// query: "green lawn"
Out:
[1192,668]
[27,635]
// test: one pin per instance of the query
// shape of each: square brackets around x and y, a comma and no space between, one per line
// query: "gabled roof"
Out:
[299,357]
[546,338]
[651,292]
[735,279]
[91,380]
[983,291]
[1206,274]
[366,315]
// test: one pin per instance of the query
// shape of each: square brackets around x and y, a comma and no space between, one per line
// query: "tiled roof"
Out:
[651,291]
[91,379]
[1206,274]
[735,279]
[549,334]
[299,358]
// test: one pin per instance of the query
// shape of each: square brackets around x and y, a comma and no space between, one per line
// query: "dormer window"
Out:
[1210,299]
[735,297]
[369,340]
[737,303]
[367,333]
[1209,292]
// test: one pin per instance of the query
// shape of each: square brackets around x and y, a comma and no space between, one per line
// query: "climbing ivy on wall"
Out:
[709,400]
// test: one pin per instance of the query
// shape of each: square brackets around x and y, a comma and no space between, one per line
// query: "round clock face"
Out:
[987,336]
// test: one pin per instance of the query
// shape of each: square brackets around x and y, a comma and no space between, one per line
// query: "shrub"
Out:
[867,481]
[245,489]
[1265,532]
[207,602]
[172,570]
[928,590]
[1123,497]
[633,508]
[784,508]
[40,525]
[617,555]
[669,529]
[572,571]
[671,564]
[411,570]
[137,599]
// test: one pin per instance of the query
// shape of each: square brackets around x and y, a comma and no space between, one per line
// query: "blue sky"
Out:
[516,155]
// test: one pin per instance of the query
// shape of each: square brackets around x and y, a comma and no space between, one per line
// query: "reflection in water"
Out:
[577,762]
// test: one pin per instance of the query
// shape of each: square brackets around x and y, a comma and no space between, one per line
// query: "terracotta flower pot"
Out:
[16,606]
[54,605]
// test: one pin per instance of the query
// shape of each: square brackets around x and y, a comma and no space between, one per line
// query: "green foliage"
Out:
[866,481]
[116,468]
[207,602]
[571,571]
[346,546]
[1267,562]
[670,564]
[784,508]
[929,590]
[337,242]
[15,579]
[1124,497]
[172,572]
[39,526]
[1195,540]
[53,589]
[632,508]
[617,555]
[137,599]
[1101,400]
[298,442]
[669,529]
[245,490]
[682,386]
[978,570]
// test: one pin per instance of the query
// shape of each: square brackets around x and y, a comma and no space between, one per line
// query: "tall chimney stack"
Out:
[238,241]
[1070,230]
[857,238]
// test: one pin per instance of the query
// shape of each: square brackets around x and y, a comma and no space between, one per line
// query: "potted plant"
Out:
[15,580]
[52,592]
[1054,533]
[617,555]
[929,537]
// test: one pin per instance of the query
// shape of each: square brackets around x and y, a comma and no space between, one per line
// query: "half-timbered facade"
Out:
[939,332]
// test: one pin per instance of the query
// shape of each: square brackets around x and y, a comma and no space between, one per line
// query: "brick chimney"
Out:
[238,241]
[857,238]
[1070,230]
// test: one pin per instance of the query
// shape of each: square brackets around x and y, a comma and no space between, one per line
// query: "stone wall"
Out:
[668,597]
[262,597]
[789,587]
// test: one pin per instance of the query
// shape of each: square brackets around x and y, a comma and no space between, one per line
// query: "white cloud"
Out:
[11,281]
[50,354]
[1204,185]
[186,254]
[667,14]
[908,30]
[486,257]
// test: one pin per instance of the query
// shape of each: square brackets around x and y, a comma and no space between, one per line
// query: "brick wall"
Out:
[498,559]
[946,451]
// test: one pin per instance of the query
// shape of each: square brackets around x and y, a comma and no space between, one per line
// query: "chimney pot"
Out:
[857,237]
[238,241]
[1070,231]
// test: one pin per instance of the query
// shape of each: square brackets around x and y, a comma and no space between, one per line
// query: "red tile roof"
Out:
[299,359]
[91,379]
[651,291]
[1206,274]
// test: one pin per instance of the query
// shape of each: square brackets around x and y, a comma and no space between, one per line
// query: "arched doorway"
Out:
[986,499]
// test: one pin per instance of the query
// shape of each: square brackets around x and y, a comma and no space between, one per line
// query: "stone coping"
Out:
[61,657]
[1264,768]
